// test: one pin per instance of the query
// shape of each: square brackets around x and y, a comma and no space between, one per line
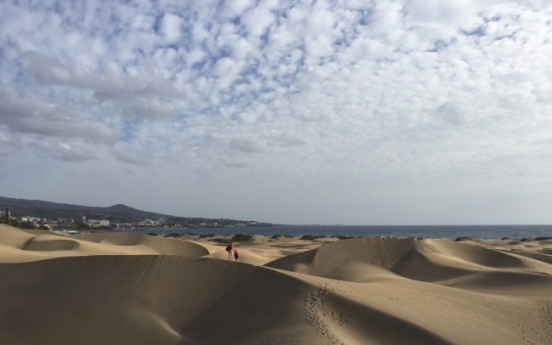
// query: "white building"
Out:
[97,223]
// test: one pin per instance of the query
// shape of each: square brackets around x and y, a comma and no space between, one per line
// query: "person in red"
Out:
[236,254]
[230,250]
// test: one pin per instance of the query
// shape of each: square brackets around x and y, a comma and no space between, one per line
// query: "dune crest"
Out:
[50,243]
[370,259]
[21,246]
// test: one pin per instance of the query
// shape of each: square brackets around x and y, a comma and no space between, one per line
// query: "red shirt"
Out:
[236,254]
[230,246]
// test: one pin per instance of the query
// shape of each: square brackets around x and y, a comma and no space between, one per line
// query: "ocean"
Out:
[445,232]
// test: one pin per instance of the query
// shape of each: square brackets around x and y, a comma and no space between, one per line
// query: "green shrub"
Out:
[242,238]
[206,235]
[465,238]
[311,237]
[27,225]
[174,234]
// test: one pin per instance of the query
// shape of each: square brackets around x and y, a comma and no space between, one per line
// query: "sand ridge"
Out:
[139,289]
[30,245]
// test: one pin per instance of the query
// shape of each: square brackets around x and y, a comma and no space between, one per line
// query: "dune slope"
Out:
[18,245]
[445,262]
[148,300]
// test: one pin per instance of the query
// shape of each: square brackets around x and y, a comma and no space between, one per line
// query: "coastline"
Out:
[446,232]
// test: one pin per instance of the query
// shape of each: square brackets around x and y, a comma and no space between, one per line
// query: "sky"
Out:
[417,112]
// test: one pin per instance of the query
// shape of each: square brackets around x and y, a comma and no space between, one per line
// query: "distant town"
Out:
[83,223]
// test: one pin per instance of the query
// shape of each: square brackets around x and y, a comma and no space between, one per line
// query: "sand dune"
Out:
[30,245]
[363,259]
[50,243]
[147,300]
[132,289]
[160,245]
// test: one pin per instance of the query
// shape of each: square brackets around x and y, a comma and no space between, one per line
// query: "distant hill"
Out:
[52,210]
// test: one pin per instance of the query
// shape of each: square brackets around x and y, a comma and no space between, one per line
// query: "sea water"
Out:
[482,232]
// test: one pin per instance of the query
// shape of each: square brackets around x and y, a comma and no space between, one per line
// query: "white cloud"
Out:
[171,26]
[236,8]
[257,21]
[370,103]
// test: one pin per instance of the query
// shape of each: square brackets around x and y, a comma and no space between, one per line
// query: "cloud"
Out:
[8,144]
[141,93]
[234,164]
[153,109]
[450,113]
[236,8]
[125,157]
[333,94]
[64,152]
[257,21]
[287,140]
[245,146]
[171,26]
[29,115]
[49,70]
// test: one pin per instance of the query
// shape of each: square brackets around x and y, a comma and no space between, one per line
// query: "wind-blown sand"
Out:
[122,288]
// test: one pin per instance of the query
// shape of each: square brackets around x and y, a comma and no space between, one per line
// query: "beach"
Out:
[125,288]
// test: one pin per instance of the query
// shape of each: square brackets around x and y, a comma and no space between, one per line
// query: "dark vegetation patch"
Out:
[342,237]
[174,234]
[235,238]
[242,238]
[278,236]
[206,235]
[465,238]
[311,237]
[151,234]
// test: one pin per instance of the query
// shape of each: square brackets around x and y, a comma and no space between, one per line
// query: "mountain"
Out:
[52,210]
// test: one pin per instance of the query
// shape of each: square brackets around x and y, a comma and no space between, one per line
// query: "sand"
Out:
[123,288]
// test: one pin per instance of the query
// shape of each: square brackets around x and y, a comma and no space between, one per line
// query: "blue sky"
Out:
[350,112]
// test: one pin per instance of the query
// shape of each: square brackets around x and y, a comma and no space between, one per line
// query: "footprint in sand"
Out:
[314,307]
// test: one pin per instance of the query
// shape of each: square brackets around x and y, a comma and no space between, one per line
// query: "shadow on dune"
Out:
[371,259]
[144,300]
[50,243]
[164,246]
[153,299]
